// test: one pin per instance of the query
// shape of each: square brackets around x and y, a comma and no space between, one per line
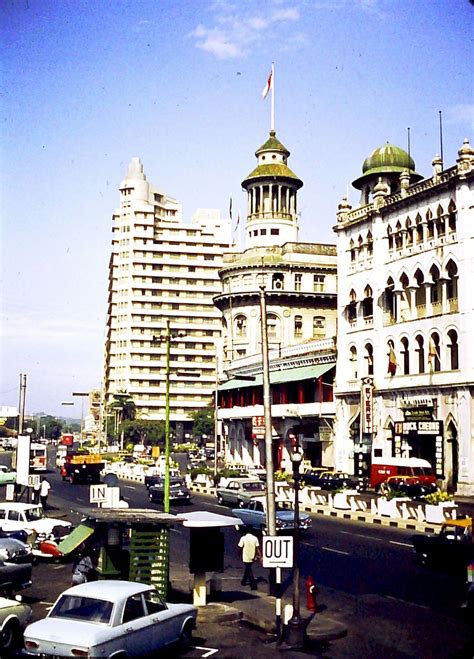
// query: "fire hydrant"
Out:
[311,591]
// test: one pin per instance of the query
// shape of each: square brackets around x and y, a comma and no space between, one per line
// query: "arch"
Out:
[368,303]
[430,224]
[451,433]
[451,270]
[370,243]
[452,216]
[353,362]
[453,349]
[390,237]
[240,325]
[434,356]
[369,358]
[420,294]
[273,327]
[298,326]
[420,349]
[405,352]
[419,228]
[436,289]
[389,301]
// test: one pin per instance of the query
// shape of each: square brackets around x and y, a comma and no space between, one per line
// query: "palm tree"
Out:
[124,408]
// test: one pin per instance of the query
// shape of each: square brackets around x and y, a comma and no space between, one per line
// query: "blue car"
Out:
[253,514]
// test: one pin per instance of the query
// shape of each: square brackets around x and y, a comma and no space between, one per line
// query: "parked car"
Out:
[451,548]
[6,475]
[178,491]
[239,491]
[14,576]
[153,476]
[409,485]
[253,514]
[15,551]
[15,516]
[331,480]
[110,619]
[14,616]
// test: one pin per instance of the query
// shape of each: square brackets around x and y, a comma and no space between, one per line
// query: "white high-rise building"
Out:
[163,270]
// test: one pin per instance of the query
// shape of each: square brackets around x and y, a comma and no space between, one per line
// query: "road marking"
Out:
[207,651]
[336,551]
[361,535]
[401,544]
[130,487]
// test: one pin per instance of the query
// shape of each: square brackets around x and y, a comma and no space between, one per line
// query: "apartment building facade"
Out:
[163,273]
[405,366]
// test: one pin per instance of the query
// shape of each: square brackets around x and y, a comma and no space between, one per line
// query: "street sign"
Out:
[98,493]
[277,551]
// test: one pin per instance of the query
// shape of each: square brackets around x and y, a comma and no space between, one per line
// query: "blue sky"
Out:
[87,85]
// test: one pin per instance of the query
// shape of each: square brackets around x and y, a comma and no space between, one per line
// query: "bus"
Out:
[38,457]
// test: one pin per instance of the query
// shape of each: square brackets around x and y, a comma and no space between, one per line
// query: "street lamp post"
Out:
[296,627]
[81,395]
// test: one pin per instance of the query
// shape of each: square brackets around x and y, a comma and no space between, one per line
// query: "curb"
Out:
[216,612]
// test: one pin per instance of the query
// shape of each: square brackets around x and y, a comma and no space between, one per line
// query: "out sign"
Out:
[277,551]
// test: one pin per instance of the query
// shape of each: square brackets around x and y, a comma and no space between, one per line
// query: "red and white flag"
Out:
[268,86]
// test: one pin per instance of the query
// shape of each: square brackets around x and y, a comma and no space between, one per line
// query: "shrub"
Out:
[437,497]
[396,494]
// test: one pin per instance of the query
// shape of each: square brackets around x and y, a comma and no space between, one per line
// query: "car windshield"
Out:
[178,483]
[34,514]
[253,487]
[89,609]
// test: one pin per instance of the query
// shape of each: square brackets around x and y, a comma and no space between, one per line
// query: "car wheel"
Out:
[10,635]
[186,636]
[220,500]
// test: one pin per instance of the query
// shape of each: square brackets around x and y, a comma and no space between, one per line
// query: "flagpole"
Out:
[272,127]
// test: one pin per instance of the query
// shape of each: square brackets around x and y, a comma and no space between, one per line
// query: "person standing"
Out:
[82,569]
[44,492]
[250,547]
[36,491]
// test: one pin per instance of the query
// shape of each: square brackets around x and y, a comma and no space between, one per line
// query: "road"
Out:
[352,560]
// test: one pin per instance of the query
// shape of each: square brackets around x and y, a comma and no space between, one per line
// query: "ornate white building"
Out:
[406,317]
[300,285]
[163,270]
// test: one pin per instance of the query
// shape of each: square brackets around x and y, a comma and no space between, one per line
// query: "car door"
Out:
[164,626]
[136,627]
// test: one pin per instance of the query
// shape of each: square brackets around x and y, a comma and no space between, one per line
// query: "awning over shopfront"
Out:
[75,538]
[278,377]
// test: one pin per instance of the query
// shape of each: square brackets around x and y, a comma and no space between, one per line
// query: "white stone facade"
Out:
[406,318]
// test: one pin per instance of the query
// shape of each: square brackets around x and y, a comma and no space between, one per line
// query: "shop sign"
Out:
[418,427]
[325,434]
[409,403]
[258,427]
[367,406]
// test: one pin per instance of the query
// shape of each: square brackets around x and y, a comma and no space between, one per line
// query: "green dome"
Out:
[272,170]
[387,159]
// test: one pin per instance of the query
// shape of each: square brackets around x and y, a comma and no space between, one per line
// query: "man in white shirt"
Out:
[250,551]
[44,491]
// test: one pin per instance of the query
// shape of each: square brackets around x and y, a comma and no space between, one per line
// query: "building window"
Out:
[273,327]
[298,326]
[368,304]
[241,326]
[353,362]
[406,356]
[298,282]
[319,326]
[434,360]
[453,350]
[318,283]
[369,356]
[420,349]
[275,232]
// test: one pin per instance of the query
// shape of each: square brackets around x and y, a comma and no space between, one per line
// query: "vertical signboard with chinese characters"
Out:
[367,406]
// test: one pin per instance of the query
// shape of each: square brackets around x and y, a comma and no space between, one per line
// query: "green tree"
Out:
[203,421]
[140,431]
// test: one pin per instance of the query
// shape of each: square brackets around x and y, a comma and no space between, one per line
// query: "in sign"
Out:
[98,493]
[277,551]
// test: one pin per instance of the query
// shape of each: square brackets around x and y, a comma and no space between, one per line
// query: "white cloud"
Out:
[235,29]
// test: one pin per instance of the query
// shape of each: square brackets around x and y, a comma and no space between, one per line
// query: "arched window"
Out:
[390,237]
[370,244]
[440,221]
[298,326]
[240,326]
[405,298]
[405,355]
[352,307]
[398,236]
[452,285]
[429,224]
[434,358]
[352,251]
[368,304]
[452,217]
[353,362]
[409,232]
[420,295]
[369,357]
[420,349]
[273,327]
[389,301]
[435,290]
[419,229]
[453,349]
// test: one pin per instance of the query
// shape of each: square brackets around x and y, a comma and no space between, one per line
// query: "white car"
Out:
[110,619]
[14,616]
[15,516]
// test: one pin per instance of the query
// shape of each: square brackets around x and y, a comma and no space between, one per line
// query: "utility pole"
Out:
[166,495]
[22,403]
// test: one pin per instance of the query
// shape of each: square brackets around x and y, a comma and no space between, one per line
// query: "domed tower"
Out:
[385,165]
[271,190]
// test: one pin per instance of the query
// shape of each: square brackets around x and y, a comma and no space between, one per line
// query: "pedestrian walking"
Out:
[36,491]
[44,492]
[250,547]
